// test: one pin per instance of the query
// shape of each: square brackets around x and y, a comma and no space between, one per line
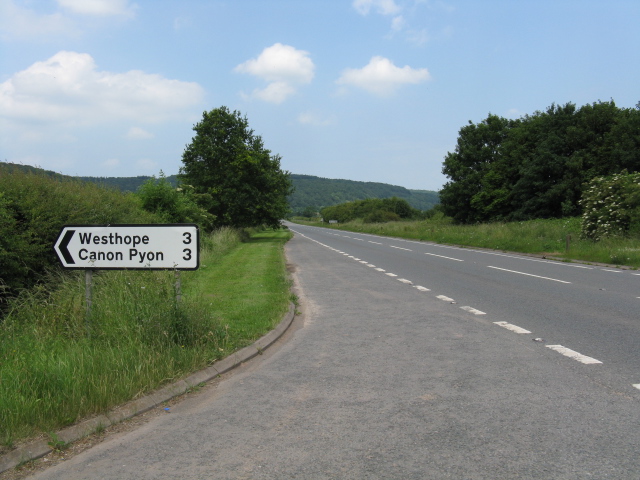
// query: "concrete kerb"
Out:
[41,448]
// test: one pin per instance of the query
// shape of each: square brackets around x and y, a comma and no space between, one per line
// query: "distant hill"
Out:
[321,192]
[310,192]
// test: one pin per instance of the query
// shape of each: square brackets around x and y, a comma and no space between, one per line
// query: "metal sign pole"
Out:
[178,286]
[88,296]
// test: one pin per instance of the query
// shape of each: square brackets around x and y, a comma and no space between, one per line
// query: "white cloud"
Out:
[137,133]
[18,22]
[383,7]
[146,165]
[111,163]
[101,8]
[284,67]
[381,77]
[68,88]
[308,118]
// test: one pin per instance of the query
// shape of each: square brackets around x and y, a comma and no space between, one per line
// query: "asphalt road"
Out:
[389,376]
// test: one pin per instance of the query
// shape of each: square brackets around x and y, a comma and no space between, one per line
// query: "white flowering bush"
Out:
[611,206]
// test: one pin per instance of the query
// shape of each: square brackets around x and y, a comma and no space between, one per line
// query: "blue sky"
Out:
[368,90]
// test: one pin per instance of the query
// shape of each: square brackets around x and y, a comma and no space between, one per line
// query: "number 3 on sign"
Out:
[186,241]
[187,254]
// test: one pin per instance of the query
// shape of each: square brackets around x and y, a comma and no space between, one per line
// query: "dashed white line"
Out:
[573,354]
[391,274]
[380,269]
[421,288]
[404,280]
[400,248]
[445,298]
[377,243]
[637,385]
[612,271]
[473,310]
[513,328]
[442,256]
[529,274]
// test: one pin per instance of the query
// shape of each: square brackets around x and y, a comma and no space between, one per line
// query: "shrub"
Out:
[33,209]
[174,205]
[611,206]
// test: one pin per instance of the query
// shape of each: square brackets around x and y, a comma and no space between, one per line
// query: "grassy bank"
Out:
[546,237]
[56,368]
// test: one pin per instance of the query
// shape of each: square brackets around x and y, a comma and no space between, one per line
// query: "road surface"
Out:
[412,361]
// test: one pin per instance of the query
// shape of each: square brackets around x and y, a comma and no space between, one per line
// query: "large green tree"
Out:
[228,165]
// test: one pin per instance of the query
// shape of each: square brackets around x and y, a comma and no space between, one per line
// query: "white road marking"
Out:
[404,280]
[377,243]
[356,259]
[400,248]
[363,261]
[391,274]
[380,269]
[422,289]
[473,310]
[612,271]
[444,298]
[369,265]
[513,328]
[529,274]
[637,385]
[575,355]
[442,256]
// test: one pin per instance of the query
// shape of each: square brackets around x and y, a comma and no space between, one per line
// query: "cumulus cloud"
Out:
[100,8]
[19,22]
[68,88]
[381,77]
[308,118]
[284,67]
[137,133]
[383,7]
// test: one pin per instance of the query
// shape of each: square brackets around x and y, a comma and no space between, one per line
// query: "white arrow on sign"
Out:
[150,247]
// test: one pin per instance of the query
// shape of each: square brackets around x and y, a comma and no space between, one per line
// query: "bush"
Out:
[611,206]
[173,205]
[33,209]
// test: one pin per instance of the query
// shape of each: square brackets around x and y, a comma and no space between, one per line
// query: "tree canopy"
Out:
[235,177]
[537,166]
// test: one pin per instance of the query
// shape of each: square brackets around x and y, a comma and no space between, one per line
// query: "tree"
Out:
[471,195]
[174,205]
[229,166]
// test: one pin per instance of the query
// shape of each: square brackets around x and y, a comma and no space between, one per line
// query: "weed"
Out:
[56,443]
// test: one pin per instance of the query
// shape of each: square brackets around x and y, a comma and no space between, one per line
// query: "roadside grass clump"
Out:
[57,365]
[548,237]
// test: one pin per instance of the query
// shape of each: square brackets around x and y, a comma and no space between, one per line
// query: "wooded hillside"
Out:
[311,193]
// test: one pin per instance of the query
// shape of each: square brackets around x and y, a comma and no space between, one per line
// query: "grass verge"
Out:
[546,237]
[55,368]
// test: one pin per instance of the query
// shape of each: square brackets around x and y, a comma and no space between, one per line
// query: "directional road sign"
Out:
[150,247]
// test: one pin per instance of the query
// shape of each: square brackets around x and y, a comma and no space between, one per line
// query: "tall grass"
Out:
[546,237]
[55,367]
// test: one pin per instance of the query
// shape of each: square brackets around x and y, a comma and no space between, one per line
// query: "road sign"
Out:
[119,247]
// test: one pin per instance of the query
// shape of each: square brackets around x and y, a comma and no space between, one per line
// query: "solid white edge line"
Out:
[528,274]
[573,354]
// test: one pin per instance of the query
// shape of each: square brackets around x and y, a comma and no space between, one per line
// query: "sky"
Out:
[366,90]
